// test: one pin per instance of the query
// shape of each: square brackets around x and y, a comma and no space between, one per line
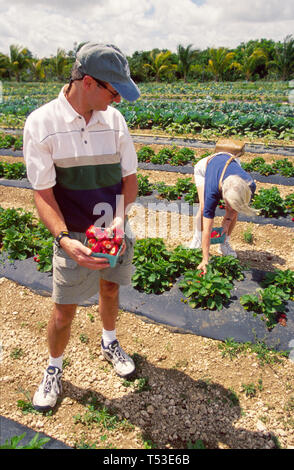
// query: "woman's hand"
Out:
[203,266]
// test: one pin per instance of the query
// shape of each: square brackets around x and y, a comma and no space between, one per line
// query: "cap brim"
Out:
[127,90]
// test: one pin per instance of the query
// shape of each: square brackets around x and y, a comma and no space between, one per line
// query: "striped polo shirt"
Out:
[83,163]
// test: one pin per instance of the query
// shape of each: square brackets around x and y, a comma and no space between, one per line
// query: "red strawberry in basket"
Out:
[96,247]
[107,244]
[91,242]
[118,236]
[114,250]
[95,232]
[100,234]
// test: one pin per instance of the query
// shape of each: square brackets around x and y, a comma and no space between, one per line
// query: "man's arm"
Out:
[51,216]
[49,211]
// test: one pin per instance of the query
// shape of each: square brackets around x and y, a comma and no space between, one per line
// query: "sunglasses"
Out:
[115,94]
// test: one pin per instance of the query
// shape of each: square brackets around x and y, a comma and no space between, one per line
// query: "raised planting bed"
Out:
[172,304]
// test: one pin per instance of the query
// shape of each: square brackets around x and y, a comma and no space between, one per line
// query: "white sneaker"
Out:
[225,249]
[46,396]
[123,364]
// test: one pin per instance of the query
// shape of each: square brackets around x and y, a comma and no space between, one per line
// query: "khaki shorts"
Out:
[73,284]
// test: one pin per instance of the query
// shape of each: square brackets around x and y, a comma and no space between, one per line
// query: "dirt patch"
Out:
[185,390]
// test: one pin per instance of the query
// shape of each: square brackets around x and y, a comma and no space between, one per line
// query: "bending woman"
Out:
[220,176]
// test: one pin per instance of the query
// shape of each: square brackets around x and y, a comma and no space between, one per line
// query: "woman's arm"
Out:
[207,226]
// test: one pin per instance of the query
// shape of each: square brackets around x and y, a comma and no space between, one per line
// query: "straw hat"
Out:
[234,147]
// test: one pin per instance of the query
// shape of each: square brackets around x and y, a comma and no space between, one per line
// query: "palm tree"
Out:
[250,61]
[186,57]
[219,62]
[160,64]
[59,63]
[20,59]
[38,69]
[284,58]
[4,65]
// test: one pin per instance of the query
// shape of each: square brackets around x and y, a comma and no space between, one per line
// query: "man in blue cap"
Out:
[82,165]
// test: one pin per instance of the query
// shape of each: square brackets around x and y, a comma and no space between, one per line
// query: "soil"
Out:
[185,390]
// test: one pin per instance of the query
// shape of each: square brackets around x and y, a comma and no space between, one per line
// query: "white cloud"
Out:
[44,26]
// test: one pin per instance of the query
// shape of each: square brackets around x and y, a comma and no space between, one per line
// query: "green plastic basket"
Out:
[111,258]
[215,241]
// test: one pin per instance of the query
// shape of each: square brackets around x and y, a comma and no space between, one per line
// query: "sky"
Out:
[139,25]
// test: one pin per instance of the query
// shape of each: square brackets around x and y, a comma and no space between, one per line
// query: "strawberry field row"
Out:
[174,292]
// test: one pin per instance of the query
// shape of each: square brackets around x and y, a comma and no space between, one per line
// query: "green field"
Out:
[256,110]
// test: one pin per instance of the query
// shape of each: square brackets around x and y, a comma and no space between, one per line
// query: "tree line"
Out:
[253,60]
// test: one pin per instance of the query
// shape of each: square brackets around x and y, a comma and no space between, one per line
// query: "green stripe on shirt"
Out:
[89,176]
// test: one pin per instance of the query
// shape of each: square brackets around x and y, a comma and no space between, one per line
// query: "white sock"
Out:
[56,361]
[108,336]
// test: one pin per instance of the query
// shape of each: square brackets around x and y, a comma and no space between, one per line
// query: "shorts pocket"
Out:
[65,262]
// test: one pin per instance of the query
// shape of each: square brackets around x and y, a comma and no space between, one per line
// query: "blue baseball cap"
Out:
[107,63]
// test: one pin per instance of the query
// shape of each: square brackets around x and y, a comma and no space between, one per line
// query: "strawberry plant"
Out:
[284,167]
[185,258]
[171,193]
[22,237]
[154,276]
[182,157]
[157,268]
[12,171]
[165,155]
[191,195]
[145,188]
[210,291]
[10,141]
[289,203]
[184,184]
[258,164]
[284,280]
[171,156]
[227,266]
[270,202]
[269,303]
[18,245]
[183,187]
[145,153]
[148,249]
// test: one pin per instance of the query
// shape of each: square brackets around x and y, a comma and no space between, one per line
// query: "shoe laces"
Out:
[118,352]
[50,382]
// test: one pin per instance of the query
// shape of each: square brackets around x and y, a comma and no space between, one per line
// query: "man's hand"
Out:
[81,254]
